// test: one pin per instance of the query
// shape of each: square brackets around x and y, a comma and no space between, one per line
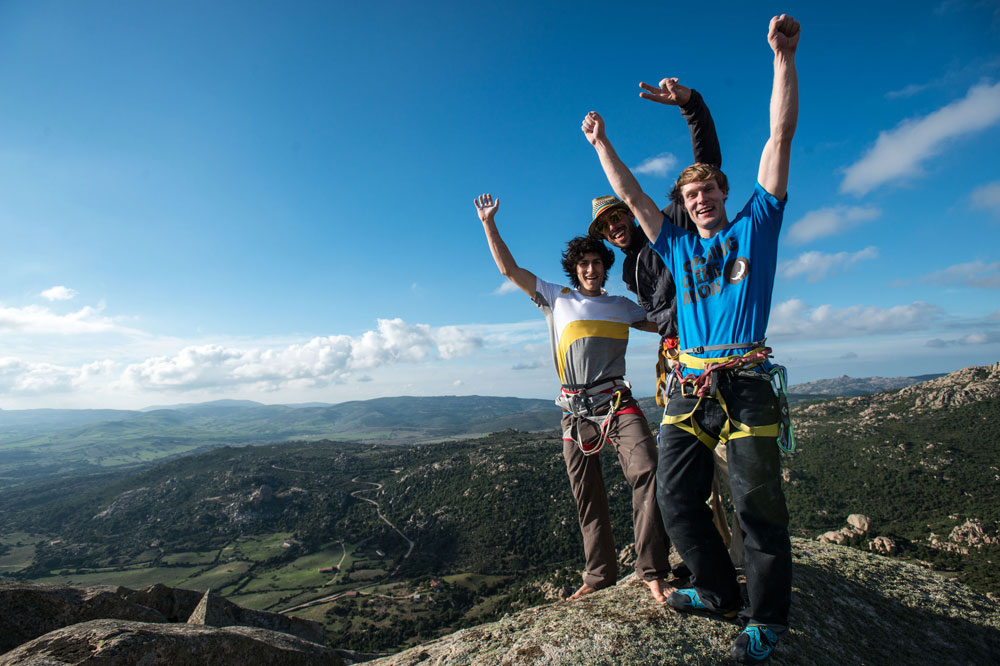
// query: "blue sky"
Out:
[273,200]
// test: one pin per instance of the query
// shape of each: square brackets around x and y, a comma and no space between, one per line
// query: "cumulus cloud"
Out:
[24,377]
[661,165]
[795,319]
[527,365]
[899,153]
[970,274]
[507,287]
[987,198]
[59,293]
[316,363]
[38,319]
[816,265]
[828,222]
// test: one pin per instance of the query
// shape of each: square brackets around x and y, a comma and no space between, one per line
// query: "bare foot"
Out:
[659,589]
[584,589]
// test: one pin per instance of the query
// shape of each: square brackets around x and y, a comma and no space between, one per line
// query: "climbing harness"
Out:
[705,384]
[589,403]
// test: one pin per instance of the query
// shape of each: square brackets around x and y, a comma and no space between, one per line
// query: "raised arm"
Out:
[621,179]
[487,207]
[704,140]
[783,36]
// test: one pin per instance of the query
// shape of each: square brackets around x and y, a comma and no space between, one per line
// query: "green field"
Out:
[21,553]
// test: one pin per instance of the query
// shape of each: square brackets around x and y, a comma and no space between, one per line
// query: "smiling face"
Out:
[590,274]
[616,226]
[706,204]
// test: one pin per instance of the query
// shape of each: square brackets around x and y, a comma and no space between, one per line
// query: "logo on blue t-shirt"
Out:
[737,269]
[703,274]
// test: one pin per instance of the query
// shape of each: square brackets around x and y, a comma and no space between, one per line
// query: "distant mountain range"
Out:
[844,386]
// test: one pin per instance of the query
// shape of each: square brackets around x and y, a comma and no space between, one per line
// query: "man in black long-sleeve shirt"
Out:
[643,270]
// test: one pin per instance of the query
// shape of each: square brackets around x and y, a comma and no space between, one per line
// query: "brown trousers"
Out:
[636,448]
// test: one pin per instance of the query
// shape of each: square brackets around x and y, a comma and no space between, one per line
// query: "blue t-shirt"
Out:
[724,283]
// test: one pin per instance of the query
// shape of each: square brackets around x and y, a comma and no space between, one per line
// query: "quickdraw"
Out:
[583,403]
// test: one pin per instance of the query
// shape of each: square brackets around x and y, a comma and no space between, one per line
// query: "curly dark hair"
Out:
[579,246]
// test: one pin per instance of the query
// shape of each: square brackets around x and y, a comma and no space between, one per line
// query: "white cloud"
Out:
[25,377]
[40,320]
[527,365]
[979,338]
[828,222]
[912,89]
[898,153]
[970,274]
[661,165]
[795,320]
[987,198]
[316,363]
[816,265]
[507,287]
[59,293]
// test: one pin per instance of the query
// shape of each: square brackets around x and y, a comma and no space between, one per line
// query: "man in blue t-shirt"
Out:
[725,275]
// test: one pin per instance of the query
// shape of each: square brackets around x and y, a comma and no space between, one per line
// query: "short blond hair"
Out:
[697,173]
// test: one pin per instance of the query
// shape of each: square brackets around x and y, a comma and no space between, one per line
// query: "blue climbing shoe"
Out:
[687,600]
[754,645]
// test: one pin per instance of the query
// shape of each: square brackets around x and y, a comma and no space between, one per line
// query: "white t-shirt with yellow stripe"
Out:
[589,334]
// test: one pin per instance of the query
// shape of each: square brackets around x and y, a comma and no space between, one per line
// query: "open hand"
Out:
[670,92]
[486,206]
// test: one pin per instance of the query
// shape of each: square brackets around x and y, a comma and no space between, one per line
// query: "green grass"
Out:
[205,557]
[302,572]
[22,550]
[257,548]
[134,578]
[217,577]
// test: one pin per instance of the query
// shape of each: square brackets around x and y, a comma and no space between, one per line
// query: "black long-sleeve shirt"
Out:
[643,271]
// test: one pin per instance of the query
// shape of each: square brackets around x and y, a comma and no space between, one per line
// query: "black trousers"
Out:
[684,482]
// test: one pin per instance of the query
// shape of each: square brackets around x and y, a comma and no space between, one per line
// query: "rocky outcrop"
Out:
[970,534]
[848,607]
[174,603]
[49,622]
[968,386]
[882,545]
[29,609]
[216,611]
[121,643]
[857,525]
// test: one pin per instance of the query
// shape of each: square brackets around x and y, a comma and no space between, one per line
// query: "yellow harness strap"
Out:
[699,363]
[731,429]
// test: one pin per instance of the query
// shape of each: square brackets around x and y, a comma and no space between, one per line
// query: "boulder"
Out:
[860,522]
[216,611]
[122,643]
[28,610]
[175,603]
[882,545]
